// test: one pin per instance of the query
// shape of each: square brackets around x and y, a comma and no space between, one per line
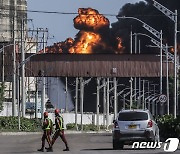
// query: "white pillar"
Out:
[97,104]
[76,102]
[107,108]
[115,97]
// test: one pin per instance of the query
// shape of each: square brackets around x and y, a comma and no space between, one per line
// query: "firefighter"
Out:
[59,131]
[47,125]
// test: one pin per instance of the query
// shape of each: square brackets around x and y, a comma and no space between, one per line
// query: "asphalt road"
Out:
[78,143]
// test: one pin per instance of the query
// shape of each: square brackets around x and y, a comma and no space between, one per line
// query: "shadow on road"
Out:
[23,152]
[101,149]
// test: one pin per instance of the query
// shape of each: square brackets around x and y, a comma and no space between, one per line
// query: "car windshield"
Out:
[133,116]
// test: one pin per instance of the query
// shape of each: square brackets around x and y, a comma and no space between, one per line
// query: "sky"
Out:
[61,26]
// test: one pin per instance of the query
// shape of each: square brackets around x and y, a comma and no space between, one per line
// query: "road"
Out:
[78,143]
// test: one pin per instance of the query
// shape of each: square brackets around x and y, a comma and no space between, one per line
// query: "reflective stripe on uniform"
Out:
[49,124]
[60,123]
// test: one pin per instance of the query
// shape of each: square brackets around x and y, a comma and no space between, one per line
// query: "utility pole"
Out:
[167,78]
[43,92]
[66,98]
[23,97]
[76,102]
[175,65]
[147,96]
[36,99]
[14,63]
[115,97]
[161,60]
[143,94]
[82,84]
[139,46]
[135,44]
[131,41]
[81,100]
[173,16]
[124,102]
[107,107]
[131,91]
[104,102]
[18,95]
[36,93]
[139,101]
[97,104]
[3,65]
[43,84]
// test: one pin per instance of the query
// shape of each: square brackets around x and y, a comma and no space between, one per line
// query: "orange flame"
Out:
[90,19]
[86,43]
[93,36]
[119,43]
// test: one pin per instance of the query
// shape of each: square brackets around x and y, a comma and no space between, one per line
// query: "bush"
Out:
[71,126]
[168,126]
[11,124]
[87,127]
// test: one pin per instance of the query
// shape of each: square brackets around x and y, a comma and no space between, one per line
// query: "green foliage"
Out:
[71,126]
[27,125]
[169,127]
[2,87]
[87,127]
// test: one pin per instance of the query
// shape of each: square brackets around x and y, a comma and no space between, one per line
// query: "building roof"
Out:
[96,65]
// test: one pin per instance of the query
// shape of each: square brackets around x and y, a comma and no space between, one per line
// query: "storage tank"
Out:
[11,14]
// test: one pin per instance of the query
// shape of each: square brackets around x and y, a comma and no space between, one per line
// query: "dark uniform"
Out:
[46,131]
[59,130]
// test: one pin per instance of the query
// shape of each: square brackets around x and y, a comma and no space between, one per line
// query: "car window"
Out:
[132,116]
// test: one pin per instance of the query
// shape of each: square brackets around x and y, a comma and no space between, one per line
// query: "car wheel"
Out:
[117,145]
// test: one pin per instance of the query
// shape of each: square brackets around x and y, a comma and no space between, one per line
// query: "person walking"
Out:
[59,131]
[47,130]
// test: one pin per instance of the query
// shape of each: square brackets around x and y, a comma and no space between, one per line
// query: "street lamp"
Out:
[173,17]
[82,84]
[130,81]
[18,92]
[153,98]
[146,26]
[156,34]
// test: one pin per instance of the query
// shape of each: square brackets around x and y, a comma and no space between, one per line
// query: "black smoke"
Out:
[145,11]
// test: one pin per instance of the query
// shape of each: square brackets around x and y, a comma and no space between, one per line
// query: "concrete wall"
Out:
[7,109]
[88,118]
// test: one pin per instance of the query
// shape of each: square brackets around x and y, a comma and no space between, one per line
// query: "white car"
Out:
[134,125]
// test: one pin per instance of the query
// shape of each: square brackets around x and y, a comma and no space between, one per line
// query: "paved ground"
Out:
[79,144]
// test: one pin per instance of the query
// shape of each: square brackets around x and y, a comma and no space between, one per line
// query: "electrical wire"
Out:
[69,13]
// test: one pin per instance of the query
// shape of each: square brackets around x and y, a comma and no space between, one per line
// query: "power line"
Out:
[53,12]
[68,13]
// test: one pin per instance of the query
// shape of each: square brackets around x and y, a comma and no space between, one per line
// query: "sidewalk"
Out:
[66,132]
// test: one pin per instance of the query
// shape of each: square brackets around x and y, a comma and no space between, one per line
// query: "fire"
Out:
[90,19]
[60,47]
[172,50]
[119,43]
[86,43]
[93,37]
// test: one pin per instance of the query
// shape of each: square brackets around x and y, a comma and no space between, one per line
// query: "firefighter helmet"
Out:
[56,111]
[45,114]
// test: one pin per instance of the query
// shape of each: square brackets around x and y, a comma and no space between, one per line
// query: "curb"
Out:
[20,133]
[66,132]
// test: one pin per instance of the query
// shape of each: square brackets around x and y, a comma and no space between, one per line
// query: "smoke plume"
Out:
[146,12]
